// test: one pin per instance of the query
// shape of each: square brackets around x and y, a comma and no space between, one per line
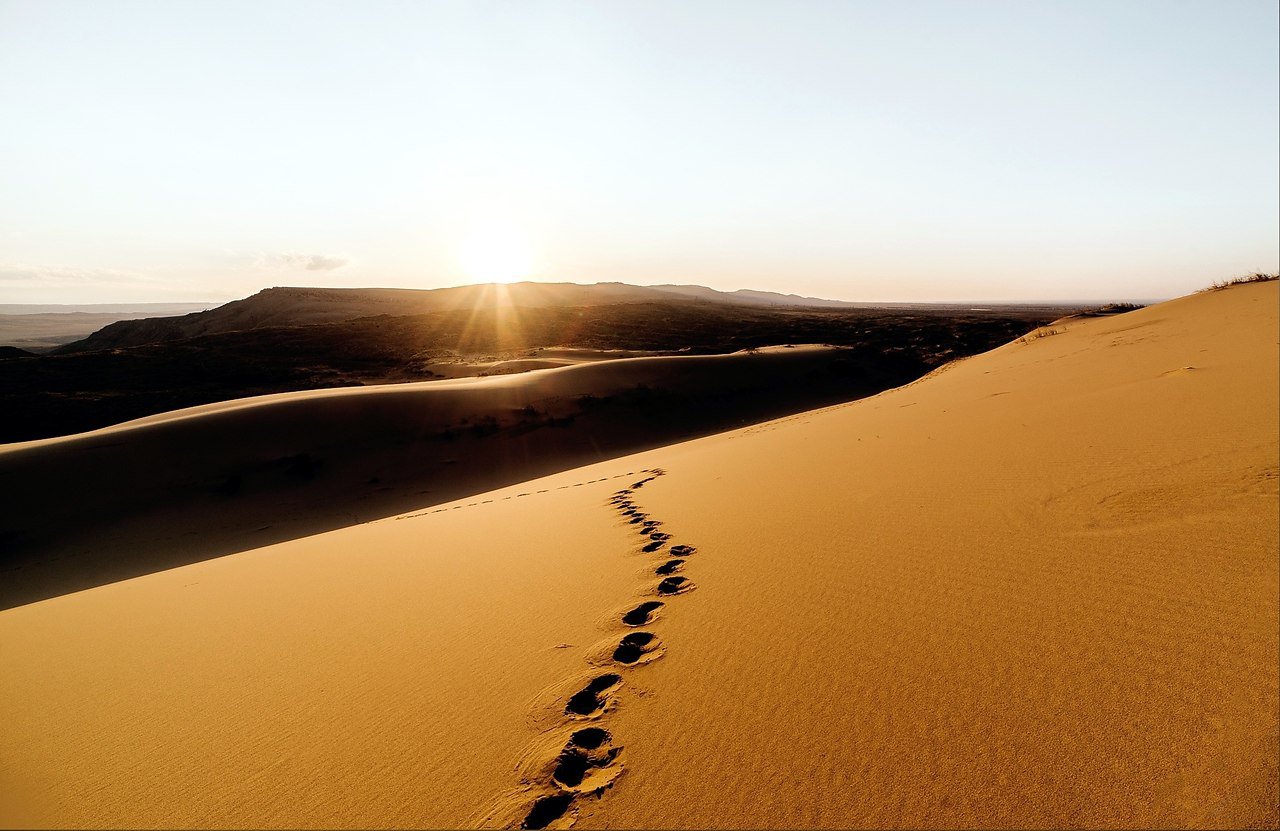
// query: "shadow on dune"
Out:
[97,508]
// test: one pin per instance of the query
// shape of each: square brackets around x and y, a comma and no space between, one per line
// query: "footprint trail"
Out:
[589,762]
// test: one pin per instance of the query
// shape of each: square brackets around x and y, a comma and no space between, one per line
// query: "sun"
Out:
[496,252]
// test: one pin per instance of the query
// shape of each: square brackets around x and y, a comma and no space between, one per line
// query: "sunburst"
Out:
[496,252]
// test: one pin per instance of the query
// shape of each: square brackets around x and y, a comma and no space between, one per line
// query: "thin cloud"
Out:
[309,262]
[62,275]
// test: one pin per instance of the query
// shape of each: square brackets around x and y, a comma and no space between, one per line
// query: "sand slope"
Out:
[191,484]
[1036,589]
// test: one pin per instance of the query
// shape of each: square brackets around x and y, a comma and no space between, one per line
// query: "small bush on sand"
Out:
[1257,277]
[1037,335]
[1111,309]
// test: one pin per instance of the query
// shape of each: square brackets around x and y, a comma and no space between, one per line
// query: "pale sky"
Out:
[163,151]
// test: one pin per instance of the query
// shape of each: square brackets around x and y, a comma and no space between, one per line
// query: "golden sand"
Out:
[1040,588]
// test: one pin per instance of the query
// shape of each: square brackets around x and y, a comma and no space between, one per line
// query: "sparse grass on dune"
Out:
[1256,277]
[1117,308]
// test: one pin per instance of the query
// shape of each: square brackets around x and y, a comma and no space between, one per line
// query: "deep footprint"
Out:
[585,752]
[591,699]
[659,535]
[590,738]
[547,810]
[669,567]
[682,550]
[642,614]
[635,646]
[572,769]
[654,546]
[673,585]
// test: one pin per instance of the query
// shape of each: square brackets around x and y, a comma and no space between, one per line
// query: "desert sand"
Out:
[1038,588]
[221,478]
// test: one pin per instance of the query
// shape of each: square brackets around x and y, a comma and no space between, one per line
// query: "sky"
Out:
[913,151]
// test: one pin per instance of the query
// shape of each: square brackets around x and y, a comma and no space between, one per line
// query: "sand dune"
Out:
[235,475]
[540,358]
[1036,589]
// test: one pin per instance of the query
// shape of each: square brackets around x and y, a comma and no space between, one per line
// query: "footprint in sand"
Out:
[547,810]
[659,535]
[592,698]
[669,567]
[634,646]
[682,550]
[587,762]
[653,546]
[674,585]
[643,613]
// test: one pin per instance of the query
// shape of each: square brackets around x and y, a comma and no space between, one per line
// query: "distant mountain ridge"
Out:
[300,306]
[760,298]
[42,327]
[173,308]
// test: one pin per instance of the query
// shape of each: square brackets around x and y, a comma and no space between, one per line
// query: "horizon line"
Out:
[948,302]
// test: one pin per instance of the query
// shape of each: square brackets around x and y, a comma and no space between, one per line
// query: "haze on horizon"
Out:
[862,151]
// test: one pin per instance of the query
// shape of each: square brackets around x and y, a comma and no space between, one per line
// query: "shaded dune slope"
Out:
[220,478]
[1036,589]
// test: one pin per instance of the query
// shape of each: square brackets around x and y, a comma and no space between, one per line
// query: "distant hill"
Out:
[42,327]
[121,310]
[67,393]
[287,306]
[750,297]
